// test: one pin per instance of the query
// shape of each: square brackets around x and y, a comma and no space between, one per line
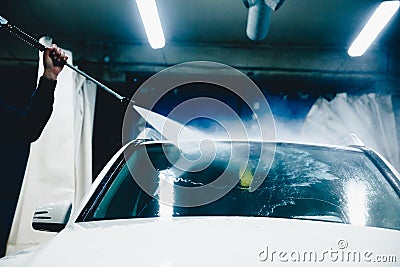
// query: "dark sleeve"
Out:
[27,125]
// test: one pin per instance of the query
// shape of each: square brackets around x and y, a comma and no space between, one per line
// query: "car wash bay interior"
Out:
[302,60]
[291,92]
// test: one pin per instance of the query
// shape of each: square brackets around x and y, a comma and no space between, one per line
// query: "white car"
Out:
[318,205]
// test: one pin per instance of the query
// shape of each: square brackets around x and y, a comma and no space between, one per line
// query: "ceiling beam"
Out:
[132,57]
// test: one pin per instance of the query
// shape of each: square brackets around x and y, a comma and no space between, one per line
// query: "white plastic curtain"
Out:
[60,161]
[369,116]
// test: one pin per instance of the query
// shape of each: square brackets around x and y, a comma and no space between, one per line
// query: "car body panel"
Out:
[209,241]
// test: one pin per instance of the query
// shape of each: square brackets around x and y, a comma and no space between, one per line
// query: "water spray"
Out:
[36,44]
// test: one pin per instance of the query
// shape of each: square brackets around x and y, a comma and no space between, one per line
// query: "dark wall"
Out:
[17,83]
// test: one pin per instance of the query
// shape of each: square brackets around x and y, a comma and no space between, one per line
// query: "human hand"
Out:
[54,59]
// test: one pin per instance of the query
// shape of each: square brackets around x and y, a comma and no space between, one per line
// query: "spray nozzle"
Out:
[127,100]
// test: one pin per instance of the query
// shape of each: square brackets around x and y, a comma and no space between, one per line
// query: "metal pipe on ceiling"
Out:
[259,17]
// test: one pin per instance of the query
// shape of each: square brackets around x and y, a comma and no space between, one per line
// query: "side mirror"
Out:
[52,217]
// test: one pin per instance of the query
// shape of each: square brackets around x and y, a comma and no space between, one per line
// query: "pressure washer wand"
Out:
[36,44]
[105,88]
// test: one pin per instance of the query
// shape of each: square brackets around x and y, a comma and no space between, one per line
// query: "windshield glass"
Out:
[304,182]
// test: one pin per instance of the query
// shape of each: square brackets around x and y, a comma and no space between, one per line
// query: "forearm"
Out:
[41,107]
[27,125]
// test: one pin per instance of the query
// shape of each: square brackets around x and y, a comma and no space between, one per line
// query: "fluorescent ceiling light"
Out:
[151,21]
[374,26]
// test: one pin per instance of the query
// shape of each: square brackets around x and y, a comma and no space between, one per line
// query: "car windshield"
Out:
[303,182]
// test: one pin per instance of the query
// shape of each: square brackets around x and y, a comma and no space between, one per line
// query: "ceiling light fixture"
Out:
[374,26]
[151,22]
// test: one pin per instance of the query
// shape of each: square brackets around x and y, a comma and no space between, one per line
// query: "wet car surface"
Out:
[304,182]
[308,202]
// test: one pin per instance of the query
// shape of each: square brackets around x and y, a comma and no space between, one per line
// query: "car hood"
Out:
[212,241]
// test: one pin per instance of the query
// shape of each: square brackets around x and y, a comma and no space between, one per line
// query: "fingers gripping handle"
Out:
[35,43]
